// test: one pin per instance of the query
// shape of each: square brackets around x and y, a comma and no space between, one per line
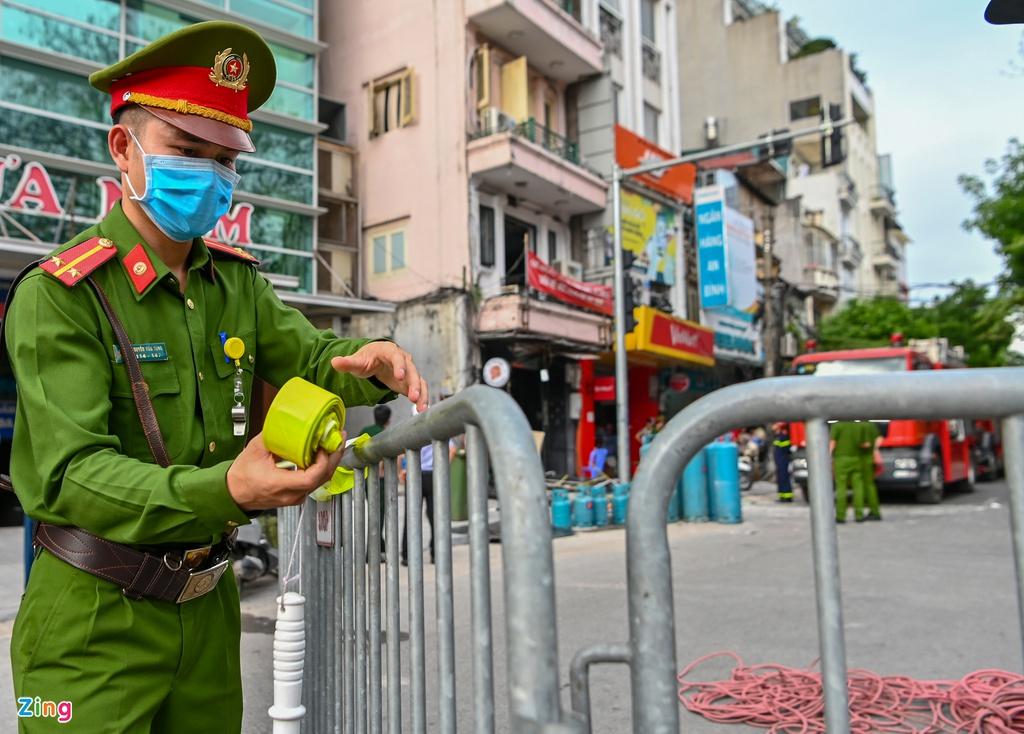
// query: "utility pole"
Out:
[771,339]
[621,362]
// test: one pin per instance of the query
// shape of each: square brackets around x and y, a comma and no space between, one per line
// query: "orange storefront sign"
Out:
[631,151]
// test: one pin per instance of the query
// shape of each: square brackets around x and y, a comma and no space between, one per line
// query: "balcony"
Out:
[518,314]
[527,160]
[611,33]
[883,202]
[850,253]
[886,258]
[544,31]
[847,191]
[651,62]
[824,281]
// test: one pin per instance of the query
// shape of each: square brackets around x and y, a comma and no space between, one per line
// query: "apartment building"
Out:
[472,189]
[745,71]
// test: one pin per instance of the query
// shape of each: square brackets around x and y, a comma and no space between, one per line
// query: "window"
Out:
[388,246]
[391,103]
[647,19]
[810,107]
[486,237]
[651,115]
[552,246]
[483,77]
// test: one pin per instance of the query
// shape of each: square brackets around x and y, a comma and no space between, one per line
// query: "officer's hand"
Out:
[390,364]
[255,482]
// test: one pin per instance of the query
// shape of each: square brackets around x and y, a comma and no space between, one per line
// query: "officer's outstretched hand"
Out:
[255,482]
[390,364]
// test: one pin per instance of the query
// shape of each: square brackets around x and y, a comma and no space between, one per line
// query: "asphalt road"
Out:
[928,593]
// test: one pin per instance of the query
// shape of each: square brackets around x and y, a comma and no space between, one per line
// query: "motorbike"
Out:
[754,461]
[252,555]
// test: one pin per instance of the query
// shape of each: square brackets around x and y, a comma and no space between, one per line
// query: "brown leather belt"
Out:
[174,576]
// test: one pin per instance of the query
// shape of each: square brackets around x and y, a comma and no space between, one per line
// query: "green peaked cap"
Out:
[198,45]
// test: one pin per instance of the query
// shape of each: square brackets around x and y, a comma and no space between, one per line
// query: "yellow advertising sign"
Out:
[651,232]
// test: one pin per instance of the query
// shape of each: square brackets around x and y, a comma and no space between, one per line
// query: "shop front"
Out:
[670,365]
[534,344]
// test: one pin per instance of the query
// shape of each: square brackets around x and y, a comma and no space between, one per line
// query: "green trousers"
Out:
[126,666]
[849,472]
[870,488]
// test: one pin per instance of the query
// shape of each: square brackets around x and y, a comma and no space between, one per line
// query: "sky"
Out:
[945,100]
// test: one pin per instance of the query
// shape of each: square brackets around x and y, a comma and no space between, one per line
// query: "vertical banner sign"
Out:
[651,232]
[711,255]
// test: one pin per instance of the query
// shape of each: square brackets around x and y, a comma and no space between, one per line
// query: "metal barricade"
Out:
[347,620]
[650,652]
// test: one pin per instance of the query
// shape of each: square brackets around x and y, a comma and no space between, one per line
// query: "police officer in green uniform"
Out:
[126,614]
[870,456]
[845,442]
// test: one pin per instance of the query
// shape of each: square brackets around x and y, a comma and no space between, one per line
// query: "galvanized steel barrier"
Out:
[650,652]
[347,678]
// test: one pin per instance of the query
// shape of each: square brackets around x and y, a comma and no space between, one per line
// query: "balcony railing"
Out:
[572,7]
[611,32]
[533,131]
[651,63]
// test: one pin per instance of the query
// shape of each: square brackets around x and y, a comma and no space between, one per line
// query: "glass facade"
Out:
[50,109]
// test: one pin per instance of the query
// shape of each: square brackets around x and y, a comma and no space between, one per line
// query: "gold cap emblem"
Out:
[230,70]
[139,268]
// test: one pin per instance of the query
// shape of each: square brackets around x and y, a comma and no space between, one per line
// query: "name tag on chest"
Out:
[150,352]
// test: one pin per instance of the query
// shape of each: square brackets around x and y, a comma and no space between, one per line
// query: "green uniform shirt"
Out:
[848,437]
[372,430]
[79,456]
[868,435]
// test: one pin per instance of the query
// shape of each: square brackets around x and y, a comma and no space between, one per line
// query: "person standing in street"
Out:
[780,454]
[134,348]
[871,457]
[845,442]
[381,419]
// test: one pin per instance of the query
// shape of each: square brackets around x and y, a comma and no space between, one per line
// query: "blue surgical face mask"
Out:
[184,197]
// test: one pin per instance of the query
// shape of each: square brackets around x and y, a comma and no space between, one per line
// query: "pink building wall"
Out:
[416,172]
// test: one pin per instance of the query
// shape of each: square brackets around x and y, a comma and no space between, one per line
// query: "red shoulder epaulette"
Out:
[75,263]
[232,251]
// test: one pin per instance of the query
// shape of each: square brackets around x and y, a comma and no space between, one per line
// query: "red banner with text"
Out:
[544,278]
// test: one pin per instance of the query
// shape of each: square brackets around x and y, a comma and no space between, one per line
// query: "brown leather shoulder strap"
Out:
[144,406]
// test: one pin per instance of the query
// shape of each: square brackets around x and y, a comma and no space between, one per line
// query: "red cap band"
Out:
[186,89]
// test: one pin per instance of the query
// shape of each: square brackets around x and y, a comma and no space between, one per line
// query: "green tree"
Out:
[999,210]
[969,316]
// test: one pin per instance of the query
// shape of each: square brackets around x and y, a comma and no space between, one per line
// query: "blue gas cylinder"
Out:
[620,503]
[695,489]
[724,481]
[600,497]
[561,510]
[583,509]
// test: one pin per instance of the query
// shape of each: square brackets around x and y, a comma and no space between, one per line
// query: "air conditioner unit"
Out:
[493,120]
[569,268]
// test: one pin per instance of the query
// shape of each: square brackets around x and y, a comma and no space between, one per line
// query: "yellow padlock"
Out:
[303,419]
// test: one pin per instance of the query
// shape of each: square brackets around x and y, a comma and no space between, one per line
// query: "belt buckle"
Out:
[202,582]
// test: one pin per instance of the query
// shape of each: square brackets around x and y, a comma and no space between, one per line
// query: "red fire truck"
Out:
[923,457]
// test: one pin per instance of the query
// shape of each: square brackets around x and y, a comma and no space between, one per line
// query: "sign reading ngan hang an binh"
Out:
[36,195]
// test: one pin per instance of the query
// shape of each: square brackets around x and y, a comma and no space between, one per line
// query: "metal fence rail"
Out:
[650,652]
[349,688]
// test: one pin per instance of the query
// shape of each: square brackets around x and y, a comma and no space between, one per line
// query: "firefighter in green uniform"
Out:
[845,442]
[126,614]
[870,456]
